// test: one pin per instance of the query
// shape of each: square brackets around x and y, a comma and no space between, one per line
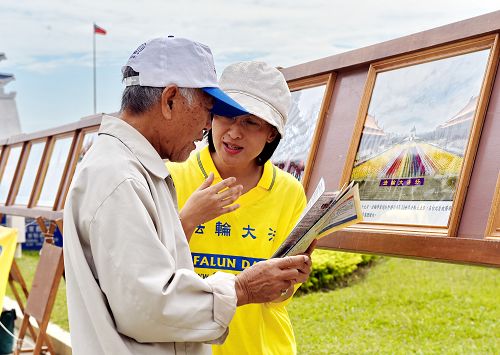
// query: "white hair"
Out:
[189,94]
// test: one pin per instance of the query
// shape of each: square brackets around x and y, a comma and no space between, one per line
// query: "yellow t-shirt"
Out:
[237,240]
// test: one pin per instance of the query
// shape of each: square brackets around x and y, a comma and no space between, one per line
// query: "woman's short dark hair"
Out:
[262,158]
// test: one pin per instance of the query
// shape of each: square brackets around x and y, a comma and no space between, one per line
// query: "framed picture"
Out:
[53,170]
[28,172]
[417,133]
[310,102]
[493,226]
[84,141]
[8,170]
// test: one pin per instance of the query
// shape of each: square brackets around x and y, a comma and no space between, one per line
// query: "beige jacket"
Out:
[130,282]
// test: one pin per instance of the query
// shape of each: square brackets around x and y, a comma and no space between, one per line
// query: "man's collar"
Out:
[136,142]
[206,165]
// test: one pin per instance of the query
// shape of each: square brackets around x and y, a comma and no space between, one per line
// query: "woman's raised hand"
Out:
[208,202]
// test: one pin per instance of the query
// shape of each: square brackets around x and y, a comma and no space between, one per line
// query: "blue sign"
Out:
[223,262]
[34,236]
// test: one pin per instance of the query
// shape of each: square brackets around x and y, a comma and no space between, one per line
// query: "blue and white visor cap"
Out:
[170,60]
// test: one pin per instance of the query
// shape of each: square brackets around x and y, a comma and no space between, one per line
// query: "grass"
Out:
[334,269]
[28,264]
[331,270]
[396,307]
[404,307]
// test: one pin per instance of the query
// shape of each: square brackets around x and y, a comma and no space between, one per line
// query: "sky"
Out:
[426,95]
[48,44]
[296,144]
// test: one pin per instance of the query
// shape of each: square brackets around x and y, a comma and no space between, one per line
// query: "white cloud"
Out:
[55,37]
[427,94]
[282,33]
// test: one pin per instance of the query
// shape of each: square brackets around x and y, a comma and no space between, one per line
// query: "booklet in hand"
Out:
[326,212]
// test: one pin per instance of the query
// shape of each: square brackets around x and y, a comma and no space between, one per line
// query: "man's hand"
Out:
[209,202]
[268,280]
[306,271]
[303,273]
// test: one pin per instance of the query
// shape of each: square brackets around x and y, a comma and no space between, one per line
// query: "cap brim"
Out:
[224,105]
[261,109]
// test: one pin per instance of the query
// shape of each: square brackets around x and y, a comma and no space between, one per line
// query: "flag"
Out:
[8,239]
[99,30]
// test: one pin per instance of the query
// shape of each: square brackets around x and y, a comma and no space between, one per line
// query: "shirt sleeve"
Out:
[152,300]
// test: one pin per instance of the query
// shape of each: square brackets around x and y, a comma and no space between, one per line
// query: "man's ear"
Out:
[168,96]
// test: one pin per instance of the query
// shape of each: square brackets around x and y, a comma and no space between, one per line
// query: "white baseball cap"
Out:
[261,89]
[170,60]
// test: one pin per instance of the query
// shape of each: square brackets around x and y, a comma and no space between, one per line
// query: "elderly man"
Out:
[130,281]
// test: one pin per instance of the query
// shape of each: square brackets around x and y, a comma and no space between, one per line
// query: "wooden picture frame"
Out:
[21,174]
[455,50]
[311,140]
[46,169]
[493,225]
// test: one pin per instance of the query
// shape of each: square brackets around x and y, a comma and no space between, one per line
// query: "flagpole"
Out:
[93,33]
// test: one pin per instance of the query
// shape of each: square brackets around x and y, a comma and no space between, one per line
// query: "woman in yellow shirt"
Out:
[230,237]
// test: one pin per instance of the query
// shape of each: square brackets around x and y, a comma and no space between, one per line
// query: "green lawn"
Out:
[27,264]
[404,307]
[399,307]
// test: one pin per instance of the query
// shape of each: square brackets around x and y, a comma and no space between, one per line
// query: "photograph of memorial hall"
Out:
[417,128]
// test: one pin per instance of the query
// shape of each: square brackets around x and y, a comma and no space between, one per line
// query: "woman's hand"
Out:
[209,202]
